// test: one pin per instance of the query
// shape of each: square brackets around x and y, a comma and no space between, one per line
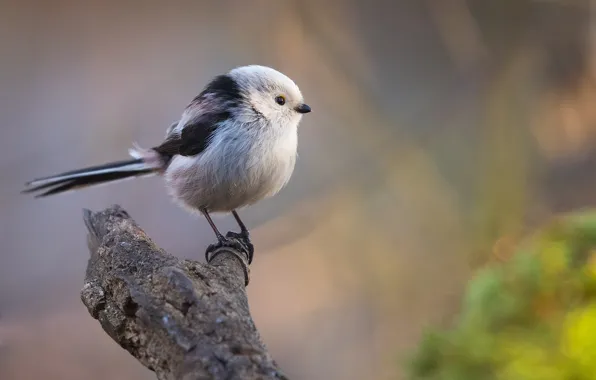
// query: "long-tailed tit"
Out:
[234,145]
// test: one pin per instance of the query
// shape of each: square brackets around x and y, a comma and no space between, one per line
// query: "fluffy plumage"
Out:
[234,145]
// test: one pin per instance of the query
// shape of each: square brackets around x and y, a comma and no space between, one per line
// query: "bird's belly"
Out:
[225,185]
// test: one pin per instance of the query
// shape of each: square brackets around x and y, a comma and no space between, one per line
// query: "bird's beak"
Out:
[302,108]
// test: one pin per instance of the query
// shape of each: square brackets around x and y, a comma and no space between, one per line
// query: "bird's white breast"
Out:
[241,166]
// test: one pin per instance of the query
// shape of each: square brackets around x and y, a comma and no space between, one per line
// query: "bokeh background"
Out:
[441,129]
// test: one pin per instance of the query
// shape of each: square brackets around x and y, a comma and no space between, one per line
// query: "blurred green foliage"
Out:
[531,317]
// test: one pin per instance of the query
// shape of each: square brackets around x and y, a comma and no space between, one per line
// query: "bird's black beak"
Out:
[302,108]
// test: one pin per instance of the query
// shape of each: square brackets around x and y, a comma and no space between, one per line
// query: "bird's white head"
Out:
[270,94]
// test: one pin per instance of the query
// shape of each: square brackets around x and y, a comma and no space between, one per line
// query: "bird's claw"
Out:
[244,239]
[238,241]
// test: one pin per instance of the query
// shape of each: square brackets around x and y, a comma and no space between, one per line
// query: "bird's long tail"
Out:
[90,176]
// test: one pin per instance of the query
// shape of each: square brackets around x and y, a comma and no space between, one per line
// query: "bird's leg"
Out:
[243,236]
[218,234]
[243,229]
[239,242]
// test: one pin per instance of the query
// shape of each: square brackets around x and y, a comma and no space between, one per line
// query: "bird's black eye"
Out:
[280,100]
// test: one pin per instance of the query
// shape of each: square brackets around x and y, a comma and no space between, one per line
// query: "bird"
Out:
[234,145]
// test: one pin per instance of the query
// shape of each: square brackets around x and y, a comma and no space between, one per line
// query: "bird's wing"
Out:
[171,128]
[192,133]
[190,141]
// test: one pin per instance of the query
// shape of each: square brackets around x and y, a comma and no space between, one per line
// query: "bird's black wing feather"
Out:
[212,106]
[194,137]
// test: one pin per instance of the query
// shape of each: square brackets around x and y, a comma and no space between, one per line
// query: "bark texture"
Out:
[182,319]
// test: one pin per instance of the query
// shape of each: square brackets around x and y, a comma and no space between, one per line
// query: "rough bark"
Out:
[180,318]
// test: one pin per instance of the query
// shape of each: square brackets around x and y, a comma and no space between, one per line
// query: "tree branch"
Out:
[180,318]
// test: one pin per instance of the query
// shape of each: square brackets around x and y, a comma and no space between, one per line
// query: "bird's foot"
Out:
[238,241]
[244,238]
[238,249]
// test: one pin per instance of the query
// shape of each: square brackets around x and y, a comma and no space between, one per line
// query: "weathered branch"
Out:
[180,318]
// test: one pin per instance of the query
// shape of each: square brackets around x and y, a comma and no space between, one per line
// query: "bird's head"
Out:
[269,94]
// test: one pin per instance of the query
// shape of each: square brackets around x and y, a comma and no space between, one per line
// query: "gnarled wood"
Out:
[180,318]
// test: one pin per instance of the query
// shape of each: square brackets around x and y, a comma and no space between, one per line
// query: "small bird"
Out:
[234,145]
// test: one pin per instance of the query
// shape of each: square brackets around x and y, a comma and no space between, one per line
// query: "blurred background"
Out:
[440,130]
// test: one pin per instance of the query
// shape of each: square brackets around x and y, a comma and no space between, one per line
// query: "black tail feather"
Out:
[89,176]
[77,183]
[91,169]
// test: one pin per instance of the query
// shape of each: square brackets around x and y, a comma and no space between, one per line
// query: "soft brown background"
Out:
[439,126]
